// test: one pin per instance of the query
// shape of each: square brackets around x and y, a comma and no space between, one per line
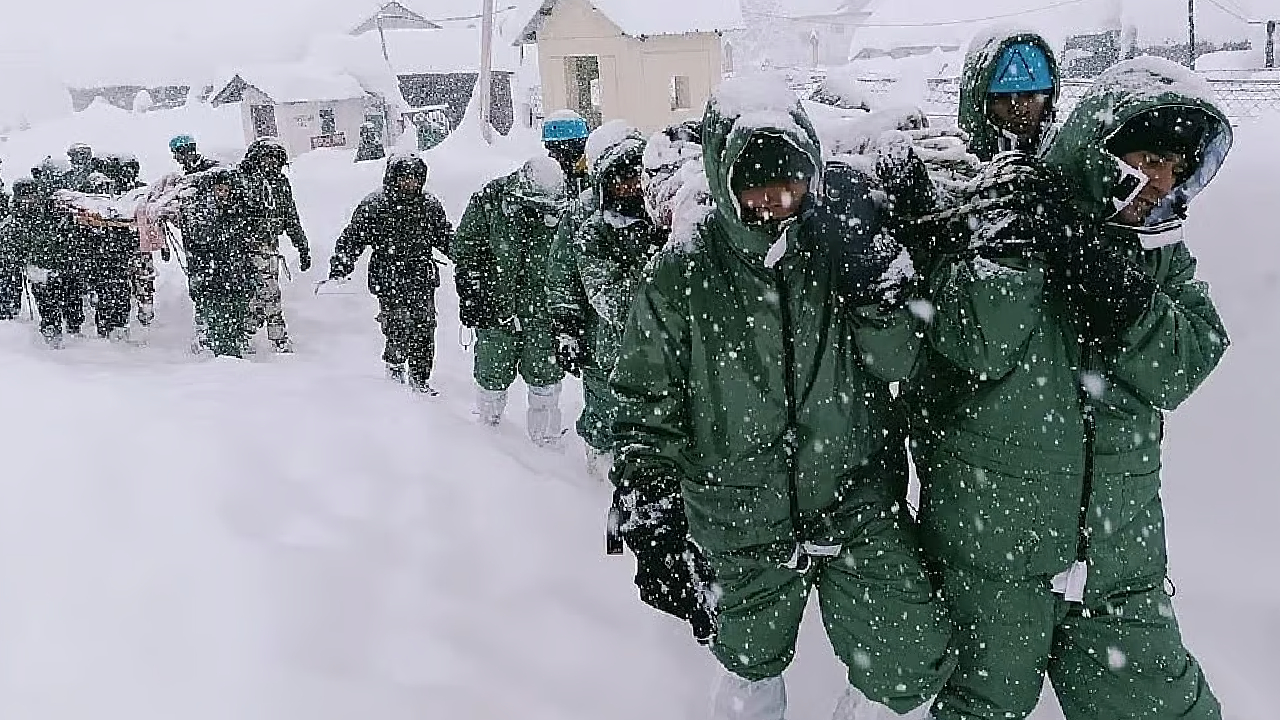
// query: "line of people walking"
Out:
[769,334]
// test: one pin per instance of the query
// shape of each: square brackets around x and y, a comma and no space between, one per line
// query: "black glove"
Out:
[1103,288]
[672,574]
[165,255]
[1019,206]
[304,260]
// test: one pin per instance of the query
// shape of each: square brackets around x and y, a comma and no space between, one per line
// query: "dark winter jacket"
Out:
[41,237]
[274,211]
[750,380]
[218,238]
[1018,424]
[612,253]
[402,230]
[980,66]
[567,304]
[503,240]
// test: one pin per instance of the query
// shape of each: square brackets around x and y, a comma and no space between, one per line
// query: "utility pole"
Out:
[1191,32]
[486,71]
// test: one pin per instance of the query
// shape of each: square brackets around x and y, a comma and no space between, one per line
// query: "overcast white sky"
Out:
[69,38]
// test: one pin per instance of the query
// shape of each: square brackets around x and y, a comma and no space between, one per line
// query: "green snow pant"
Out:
[1120,657]
[595,424]
[995,541]
[223,314]
[503,354]
[877,603]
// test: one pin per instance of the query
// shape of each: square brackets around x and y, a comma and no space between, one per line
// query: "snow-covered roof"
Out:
[412,52]
[393,15]
[824,8]
[646,18]
[291,83]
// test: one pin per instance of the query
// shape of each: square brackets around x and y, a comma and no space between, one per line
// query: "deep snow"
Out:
[294,538]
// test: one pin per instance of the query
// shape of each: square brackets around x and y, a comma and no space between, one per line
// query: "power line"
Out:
[1228,11]
[945,23]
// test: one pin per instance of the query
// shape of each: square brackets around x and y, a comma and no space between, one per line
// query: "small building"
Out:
[796,34]
[306,107]
[649,62]
[432,67]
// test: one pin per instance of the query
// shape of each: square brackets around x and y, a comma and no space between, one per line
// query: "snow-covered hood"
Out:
[739,109]
[608,145]
[1120,94]
[979,69]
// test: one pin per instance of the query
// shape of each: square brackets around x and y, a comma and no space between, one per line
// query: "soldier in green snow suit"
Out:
[611,250]
[1056,347]
[501,255]
[1008,92]
[755,391]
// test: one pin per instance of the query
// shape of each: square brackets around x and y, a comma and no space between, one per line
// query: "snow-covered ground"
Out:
[293,538]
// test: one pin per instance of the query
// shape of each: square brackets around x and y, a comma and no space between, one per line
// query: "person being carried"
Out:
[404,225]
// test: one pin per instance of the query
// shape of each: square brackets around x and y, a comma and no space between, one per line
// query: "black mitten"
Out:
[672,575]
[1107,292]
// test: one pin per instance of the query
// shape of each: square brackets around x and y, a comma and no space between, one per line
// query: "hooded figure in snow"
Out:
[1008,93]
[15,228]
[217,234]
[275,213]
[501,255]
[405,226]
[755,416]
[611,250]
[1058,343]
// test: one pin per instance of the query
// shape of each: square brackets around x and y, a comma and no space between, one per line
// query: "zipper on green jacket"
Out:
[1090,440]
[791,437]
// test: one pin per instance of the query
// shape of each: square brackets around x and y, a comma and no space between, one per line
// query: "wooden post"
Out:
[486,71]
[1271,43]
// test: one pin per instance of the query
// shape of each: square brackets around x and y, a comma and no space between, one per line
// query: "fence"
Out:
[1240,98]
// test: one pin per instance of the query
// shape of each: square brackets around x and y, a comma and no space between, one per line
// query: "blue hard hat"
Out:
[565,129]
[181,141]
[1023,67]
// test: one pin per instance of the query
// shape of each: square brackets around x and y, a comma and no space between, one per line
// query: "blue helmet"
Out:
[1022,67]
[181,141]
[565,129]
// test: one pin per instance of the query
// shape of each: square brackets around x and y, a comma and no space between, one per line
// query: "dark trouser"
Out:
[112,283]
[11,277]
[408,323]
[223,313]
[60,300]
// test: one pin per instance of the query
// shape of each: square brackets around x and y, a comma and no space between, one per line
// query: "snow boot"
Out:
[854,705]
[396,372]
[118,335]
[146,314]
[599,464]
[53,337]
[490,405]
[420,383]
[282,346]
[736,698]
[544,423]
